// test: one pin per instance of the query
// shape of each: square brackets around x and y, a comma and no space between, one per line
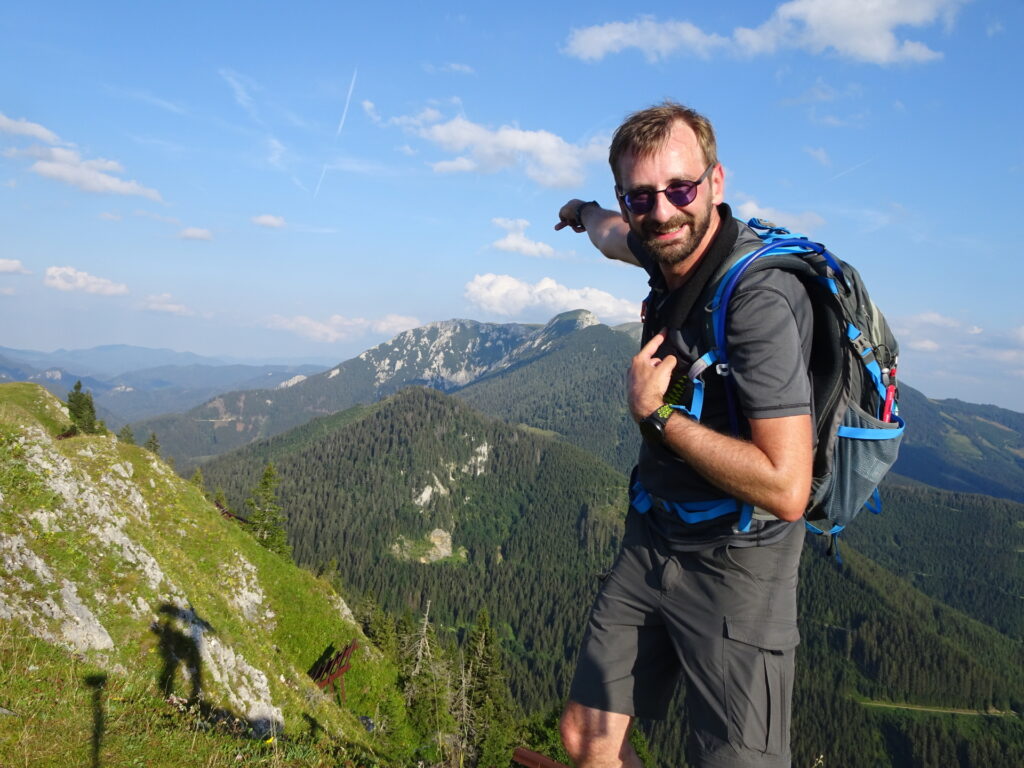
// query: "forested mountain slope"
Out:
[420,499]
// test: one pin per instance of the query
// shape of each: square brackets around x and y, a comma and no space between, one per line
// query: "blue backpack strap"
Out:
[693,512]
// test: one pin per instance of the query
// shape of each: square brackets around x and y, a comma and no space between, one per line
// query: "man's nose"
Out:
[663,209]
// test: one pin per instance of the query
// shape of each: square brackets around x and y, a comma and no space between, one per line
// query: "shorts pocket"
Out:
[758,661]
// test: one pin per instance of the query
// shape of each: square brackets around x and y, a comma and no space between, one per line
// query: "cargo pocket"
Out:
[759,682]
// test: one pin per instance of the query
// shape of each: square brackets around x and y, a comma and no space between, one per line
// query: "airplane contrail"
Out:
[341,124]
[351,87]
[851,170]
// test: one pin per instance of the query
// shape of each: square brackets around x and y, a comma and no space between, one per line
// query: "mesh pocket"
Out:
[865,450]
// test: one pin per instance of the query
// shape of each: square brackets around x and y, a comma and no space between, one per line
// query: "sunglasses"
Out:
[680,193]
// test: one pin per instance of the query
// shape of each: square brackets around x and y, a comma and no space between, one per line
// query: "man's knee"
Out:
[593,737]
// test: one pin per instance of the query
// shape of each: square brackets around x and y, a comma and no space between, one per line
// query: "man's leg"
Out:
[596,739]
[732,614]
[627,666]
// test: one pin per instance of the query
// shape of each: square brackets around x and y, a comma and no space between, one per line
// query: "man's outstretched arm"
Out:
[606,229]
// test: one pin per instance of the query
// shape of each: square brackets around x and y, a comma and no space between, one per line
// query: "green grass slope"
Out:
[140,627]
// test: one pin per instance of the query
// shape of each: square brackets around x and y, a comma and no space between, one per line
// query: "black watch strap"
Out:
[580,207]
[652,428]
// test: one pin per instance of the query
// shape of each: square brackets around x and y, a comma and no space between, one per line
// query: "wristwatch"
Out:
[579,210]
[652,428]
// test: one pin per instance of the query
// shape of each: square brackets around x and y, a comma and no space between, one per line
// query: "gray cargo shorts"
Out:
[724,617]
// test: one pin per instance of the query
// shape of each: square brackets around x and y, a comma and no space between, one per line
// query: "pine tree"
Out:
[426,685]
[198,481]
[82,410]
[126,435]
[152,444]
[266,517]
[493,727]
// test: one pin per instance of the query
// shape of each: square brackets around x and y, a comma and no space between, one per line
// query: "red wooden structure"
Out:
[531,759]
[335,668]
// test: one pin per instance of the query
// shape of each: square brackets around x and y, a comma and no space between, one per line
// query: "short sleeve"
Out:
[768,335]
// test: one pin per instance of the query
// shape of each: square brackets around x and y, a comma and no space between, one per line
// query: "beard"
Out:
[680,248]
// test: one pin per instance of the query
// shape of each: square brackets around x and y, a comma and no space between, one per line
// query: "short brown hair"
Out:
[644,132]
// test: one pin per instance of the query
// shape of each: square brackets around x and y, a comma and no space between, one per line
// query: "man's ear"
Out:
[718,184]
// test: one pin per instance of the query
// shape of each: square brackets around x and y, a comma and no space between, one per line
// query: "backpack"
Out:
[853,366]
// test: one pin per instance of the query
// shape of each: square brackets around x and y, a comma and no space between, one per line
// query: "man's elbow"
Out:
[790,506]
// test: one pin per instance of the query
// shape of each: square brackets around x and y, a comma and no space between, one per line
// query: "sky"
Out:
[305,180]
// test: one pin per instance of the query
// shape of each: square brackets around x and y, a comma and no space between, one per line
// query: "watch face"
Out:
[652,430]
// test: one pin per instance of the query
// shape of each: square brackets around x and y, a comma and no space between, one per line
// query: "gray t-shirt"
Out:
[768,336]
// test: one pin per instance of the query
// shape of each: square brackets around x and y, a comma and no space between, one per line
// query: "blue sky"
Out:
[307,179]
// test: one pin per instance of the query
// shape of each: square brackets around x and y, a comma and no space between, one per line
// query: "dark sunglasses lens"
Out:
[640,202]
[682,193]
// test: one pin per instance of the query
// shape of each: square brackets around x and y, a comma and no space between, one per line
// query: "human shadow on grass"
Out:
[97,682]
[181,637]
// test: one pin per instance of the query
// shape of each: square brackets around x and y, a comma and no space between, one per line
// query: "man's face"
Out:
[672,234]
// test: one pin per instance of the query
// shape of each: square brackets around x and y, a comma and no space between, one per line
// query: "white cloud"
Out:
[803,223]
[71,279]
[656,39]
[269,220]
[924,345]
[934,318]
[5,291]
[335,328]
[819,154]
[507,295]
[341,328]
[516,240]
[164,302]
[543,156]
[109,216]
[22,127]
[95,175]
[195,233]
[240,88]
[458,165]
[406,150]
[371,111]
[459,69]
[275,152]
[863,30]
[392,324]
[157,217]
[12,267]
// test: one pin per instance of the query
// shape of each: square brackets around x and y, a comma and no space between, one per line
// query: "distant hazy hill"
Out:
[106,361]
[123,394]
[444,355]
[418,498]
[121,585]
[962,446]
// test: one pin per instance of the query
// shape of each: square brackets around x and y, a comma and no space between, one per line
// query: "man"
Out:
[704,586]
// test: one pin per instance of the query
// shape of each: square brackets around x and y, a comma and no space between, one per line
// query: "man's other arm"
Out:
[606,229]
